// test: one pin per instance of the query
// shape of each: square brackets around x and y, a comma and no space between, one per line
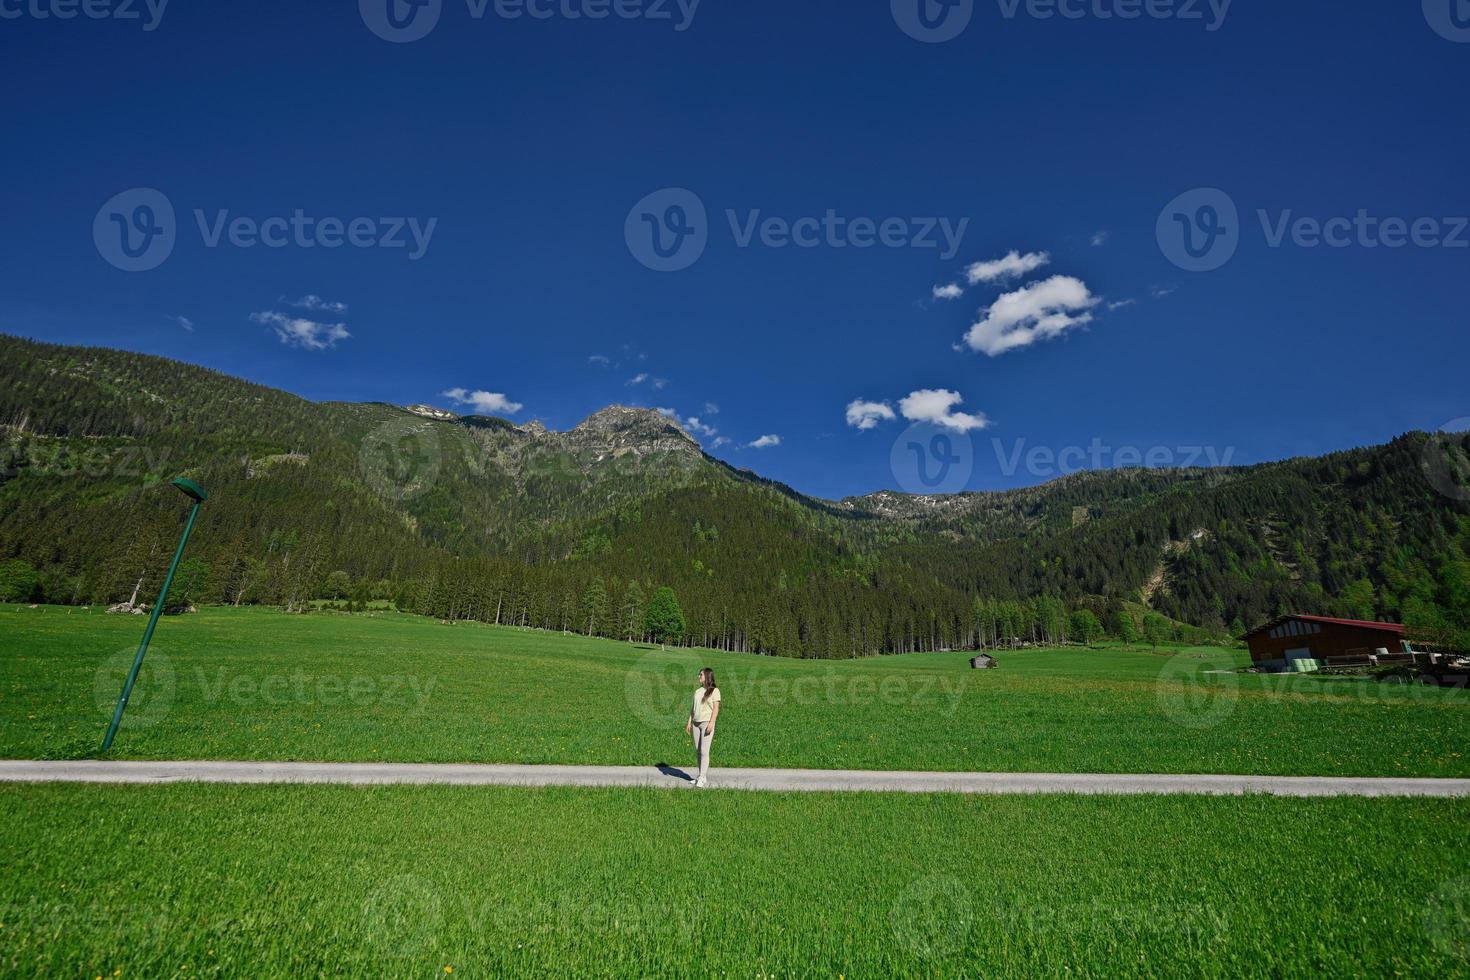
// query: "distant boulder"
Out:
[126,609]
[984,662]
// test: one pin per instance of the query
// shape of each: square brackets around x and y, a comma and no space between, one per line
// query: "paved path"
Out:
[801,780]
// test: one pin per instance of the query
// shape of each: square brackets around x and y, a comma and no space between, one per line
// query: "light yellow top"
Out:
[704,708]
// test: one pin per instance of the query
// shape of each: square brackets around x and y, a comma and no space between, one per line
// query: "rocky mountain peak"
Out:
[430,412]
[621,422]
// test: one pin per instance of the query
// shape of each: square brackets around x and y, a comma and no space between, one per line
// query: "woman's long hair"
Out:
[707,678]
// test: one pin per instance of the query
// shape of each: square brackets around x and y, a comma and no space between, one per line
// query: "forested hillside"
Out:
[480,518]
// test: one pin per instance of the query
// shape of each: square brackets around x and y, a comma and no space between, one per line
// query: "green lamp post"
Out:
[193,490]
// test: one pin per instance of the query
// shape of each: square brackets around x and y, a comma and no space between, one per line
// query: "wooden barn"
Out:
[1307,642]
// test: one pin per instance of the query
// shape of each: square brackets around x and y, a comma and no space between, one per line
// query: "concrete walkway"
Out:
[799,780]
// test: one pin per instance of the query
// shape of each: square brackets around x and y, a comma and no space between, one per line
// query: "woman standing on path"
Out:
[701,724]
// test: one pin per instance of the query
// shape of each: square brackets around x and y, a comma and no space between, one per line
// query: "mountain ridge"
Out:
[468,516]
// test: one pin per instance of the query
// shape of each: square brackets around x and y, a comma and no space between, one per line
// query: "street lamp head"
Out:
[192,489]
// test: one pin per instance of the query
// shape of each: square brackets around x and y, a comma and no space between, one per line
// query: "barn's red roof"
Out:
[1328,620]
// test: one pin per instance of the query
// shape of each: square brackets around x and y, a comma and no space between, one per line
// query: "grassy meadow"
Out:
[192,880]
[255,684]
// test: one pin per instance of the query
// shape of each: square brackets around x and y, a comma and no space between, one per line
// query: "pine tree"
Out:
[633,612]
[594,605]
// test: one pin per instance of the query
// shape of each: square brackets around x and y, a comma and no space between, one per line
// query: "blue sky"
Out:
[529,144]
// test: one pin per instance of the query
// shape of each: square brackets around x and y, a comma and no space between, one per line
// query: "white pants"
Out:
[702,743]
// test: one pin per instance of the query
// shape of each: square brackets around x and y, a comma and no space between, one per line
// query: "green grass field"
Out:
[254,684]
[333,881]
[194,880]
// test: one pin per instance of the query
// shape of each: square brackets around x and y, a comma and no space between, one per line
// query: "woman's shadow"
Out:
[674,772]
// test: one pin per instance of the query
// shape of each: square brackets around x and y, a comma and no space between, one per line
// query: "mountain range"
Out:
[478,517]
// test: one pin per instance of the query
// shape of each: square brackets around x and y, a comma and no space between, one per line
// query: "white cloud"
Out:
[1012,266]
[638,379]
[937,406]
[314,303]
[694,425]
[1120,304]
[306,334]
[765,442]
[484,402]
[1159,292]
[951,291]
[864,415]
[184,322]
[1101,238]
[1039,311]
[600,360]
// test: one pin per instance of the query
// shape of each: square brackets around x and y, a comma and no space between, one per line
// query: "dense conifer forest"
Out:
[478,518]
